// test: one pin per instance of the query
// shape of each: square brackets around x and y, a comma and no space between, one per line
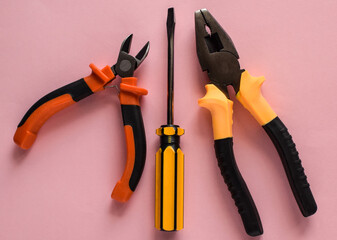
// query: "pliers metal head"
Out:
[126,63]
[216,52]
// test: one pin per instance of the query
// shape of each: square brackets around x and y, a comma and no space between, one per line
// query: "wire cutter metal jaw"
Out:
[126,63]
[216,52]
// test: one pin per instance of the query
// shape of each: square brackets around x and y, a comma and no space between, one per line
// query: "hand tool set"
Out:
[169,212]
[217,55]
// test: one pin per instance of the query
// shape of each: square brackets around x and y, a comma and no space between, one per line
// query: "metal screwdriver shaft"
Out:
[170,25]
[169,212]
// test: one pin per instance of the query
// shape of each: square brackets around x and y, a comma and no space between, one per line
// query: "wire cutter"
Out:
[218,56]
[129,96]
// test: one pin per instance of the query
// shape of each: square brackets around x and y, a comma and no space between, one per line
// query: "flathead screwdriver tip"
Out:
[170,22]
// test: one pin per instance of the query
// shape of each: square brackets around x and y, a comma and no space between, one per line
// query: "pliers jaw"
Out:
[216,52]
[126,63]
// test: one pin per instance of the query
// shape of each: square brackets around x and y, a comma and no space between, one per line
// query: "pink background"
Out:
[60,189]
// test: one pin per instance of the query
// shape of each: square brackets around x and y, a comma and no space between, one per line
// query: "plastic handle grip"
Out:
[251,98]
[135,139]
[47,106]
[237,186]
[57,100]
[221,109]
[286,148]
[169,202]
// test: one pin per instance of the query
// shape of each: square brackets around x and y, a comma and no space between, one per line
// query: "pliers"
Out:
[129,96]
[218,56]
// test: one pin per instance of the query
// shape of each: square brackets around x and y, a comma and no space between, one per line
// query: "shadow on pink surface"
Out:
[117,208]
[19,154]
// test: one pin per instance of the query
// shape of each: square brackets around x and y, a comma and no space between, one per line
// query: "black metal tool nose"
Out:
[216,52]
[210,31]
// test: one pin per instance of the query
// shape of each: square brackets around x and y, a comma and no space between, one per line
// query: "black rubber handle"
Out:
[132,116]
[286,148]
[237,186]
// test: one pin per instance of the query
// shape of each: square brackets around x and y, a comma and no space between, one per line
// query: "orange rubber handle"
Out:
[57,100]
[25,134]
[135,139]
[130,93]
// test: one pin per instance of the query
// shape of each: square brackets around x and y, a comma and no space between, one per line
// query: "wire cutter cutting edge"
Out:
[218,56]
[129,96]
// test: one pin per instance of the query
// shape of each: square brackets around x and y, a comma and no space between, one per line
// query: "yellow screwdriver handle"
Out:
[169,207]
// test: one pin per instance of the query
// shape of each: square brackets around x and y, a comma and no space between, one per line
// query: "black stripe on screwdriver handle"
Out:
[292,164]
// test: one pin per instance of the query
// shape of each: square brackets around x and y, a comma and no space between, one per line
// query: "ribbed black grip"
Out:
[286,148]
[237,186]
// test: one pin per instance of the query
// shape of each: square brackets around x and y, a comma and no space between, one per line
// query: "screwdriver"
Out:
[169,202]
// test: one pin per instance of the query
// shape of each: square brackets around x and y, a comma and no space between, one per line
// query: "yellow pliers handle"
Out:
[221,109]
